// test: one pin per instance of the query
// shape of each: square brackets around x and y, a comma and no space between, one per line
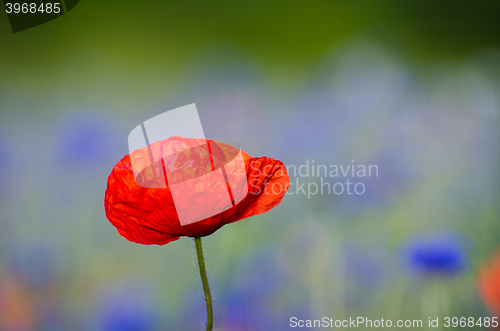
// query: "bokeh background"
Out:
[411,86]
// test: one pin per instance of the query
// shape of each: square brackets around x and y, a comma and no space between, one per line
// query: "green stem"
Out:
[204,280]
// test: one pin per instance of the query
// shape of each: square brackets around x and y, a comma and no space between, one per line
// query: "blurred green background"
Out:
[411,86]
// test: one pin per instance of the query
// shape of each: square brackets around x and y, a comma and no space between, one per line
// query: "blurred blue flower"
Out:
[248,313]
[85,139]
[437,255]
[127,307]
[249,300]
[126,319]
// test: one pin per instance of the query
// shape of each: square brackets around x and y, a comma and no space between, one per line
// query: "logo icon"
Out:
[205,177]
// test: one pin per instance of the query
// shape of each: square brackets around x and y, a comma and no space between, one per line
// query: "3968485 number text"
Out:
[32,8]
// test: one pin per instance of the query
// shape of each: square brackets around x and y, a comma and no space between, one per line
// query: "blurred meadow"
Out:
[411,86]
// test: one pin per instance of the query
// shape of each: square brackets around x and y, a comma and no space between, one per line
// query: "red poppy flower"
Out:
[489,284]
[147,213]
